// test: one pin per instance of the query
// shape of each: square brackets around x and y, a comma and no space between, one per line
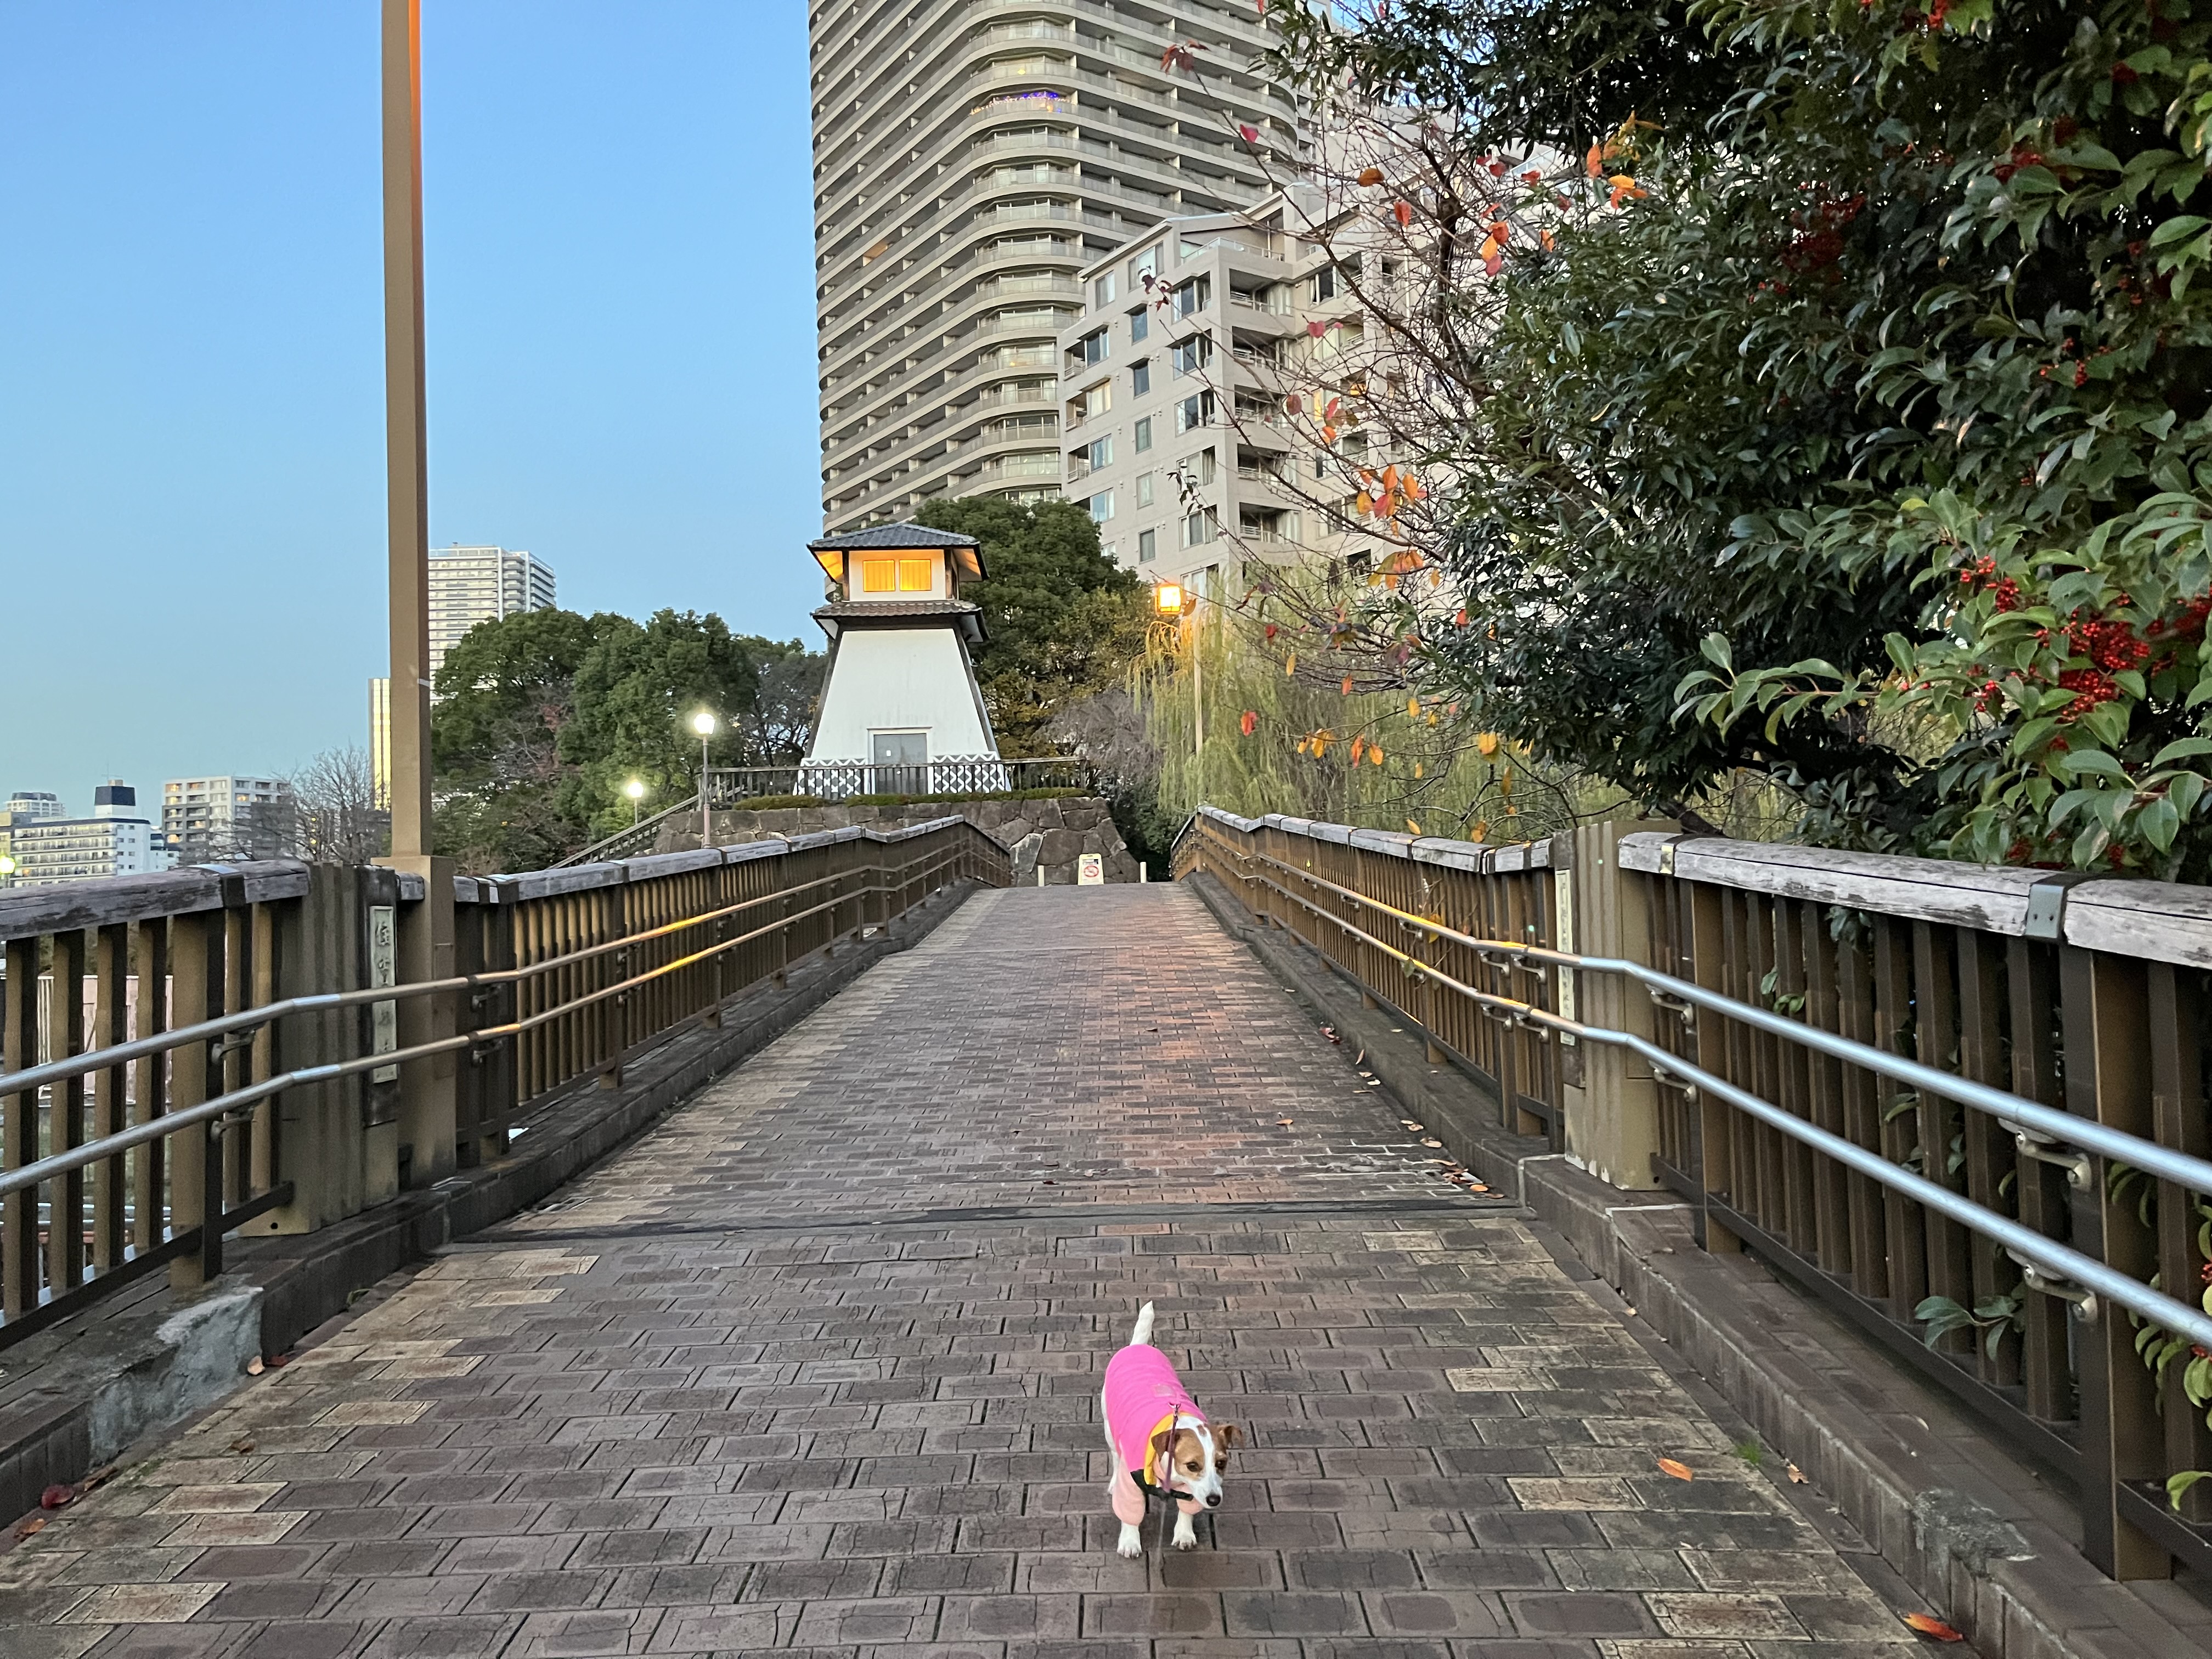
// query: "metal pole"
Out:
[705,825]
[406,451]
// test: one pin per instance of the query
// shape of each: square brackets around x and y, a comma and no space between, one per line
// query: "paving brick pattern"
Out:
[740,1394]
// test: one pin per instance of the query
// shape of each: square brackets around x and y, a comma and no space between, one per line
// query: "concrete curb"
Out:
[1988,1540]
[76,1395]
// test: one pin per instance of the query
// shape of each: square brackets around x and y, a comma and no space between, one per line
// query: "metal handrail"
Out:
[590,853]
[31,1078]
[106,1146]
[2048,1254]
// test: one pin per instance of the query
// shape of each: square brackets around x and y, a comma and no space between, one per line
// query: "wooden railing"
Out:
[1781,1034]
[187,1054]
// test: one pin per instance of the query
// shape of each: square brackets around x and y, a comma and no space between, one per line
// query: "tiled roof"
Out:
[890,536]
[841,610]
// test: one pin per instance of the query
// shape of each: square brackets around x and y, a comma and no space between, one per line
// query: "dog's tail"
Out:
[1141,1332]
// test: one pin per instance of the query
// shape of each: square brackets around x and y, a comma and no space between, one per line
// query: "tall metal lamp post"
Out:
[635,790]
[703,723]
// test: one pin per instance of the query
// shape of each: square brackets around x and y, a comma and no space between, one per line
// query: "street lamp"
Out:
[635,790]
[703,723]
[1171,603]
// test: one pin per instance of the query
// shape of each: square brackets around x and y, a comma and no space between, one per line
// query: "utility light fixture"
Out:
[1168,600]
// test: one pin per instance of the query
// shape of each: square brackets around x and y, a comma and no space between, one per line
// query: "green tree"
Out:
[637,691]
[1857,437]
[542,717]
[505,694]
[1061,621]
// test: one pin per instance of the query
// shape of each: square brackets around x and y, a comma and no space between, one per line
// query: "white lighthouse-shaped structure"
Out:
[901,711]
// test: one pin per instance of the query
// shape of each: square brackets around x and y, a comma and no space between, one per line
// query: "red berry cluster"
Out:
[2021,156]
[2004,592]
[2112,646]
[2092,686]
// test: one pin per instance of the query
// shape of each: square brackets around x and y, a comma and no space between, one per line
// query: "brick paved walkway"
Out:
[813,1369]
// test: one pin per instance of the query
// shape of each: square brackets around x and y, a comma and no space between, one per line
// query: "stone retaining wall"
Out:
[1052,833]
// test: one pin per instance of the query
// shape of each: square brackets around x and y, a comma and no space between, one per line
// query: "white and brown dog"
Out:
[1160,1439]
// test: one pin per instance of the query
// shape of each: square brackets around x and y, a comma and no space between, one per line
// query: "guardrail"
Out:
[189,1054]
[1810,1025]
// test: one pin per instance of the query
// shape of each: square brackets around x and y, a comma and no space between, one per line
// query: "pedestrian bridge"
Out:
[805,1358]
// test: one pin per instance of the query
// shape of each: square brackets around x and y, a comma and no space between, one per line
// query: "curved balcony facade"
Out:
[970,157]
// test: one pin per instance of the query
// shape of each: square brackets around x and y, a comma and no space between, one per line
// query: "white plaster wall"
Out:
[900,679]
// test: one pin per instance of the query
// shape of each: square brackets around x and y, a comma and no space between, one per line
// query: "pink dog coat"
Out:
[1143,1396]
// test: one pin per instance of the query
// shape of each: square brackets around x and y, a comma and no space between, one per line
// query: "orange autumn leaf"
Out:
[1459,618]
[1488,250]
[1417,769]
[1927,1624]
[1248,721]
[1404,212]
[1363,503]
[1290,665]
[1680,1471]
[1412,708]
[1347,686]
[1486,744]
[1479,830]
[1594,163]
[1375,754]
[1359,748]
[1549,240]
[1370,175]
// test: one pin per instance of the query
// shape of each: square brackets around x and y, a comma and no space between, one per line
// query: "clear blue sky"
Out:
[191,401]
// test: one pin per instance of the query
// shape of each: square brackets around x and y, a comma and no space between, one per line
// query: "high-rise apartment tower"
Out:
[470,585]
[971,156]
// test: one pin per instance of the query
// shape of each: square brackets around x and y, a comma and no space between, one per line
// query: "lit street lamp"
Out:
[703,723]
[1171,603]
[635,790]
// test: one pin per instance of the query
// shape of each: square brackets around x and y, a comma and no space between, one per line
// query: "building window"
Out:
[1198,529]
[897,575]
[1102,291]
[1101,452]
[1147,545]
[1141,325]
[916,576]
[1192,355]
[1095,346]
[1144,490]
[1193,296]
[1102,507]
[1141,377]
[1147,263]
[1144,434]
[1195,412]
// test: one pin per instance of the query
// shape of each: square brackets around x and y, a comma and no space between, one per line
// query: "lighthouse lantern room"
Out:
[901,711]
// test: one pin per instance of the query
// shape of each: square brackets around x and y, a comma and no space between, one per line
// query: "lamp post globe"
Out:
[635,790]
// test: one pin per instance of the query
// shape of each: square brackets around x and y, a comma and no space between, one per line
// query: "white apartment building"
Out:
[471,585]
[1172,416]
[971,156]
[206,820]
[113,842]
[23,808]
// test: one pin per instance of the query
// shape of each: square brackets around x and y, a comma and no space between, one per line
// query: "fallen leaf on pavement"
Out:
[241,1445]
[54,1497]
[1934,1628]
[37,1524]
[1429,1141]
[1679,1471]
[253,1366]
[1797,1475]
[1282,1123]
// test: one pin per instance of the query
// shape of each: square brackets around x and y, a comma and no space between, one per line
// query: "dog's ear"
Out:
[1230,1435]
[1161,1441]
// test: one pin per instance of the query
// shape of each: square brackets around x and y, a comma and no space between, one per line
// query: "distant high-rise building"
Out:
[379,742]
[209,820]
[471,584]
[970,159]
[24,807]
[115,841]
